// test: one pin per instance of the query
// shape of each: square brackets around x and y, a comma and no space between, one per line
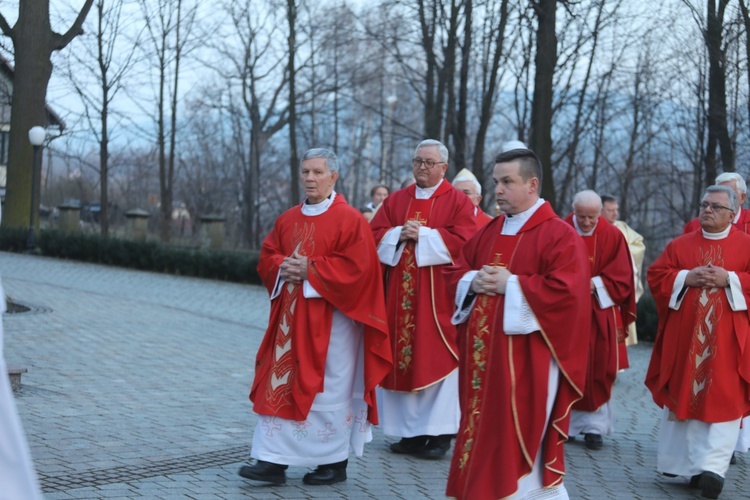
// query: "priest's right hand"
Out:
[410,231]
[490,280]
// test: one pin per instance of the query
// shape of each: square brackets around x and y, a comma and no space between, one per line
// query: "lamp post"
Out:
[36,137]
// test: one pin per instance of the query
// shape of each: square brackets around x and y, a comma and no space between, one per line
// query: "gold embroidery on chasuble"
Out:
[282,371]
[406,314]
[710,308]
[479,333]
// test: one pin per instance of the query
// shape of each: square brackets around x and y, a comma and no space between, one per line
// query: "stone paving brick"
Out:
[137,387]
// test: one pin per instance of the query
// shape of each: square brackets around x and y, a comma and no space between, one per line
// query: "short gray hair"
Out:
[442,150]
[587,197]
[332,162]
[734,203]
[739,181]
[464,179]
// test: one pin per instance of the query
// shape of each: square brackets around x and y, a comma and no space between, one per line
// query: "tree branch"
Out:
[61,41]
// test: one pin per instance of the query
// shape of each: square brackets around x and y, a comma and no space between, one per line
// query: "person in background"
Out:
[467,182]
[377,195]
[611,212]
[699,371]
[612,310]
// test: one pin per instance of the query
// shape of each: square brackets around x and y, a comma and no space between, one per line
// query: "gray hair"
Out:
[442,150]
[734,203]
[332,162]
[464,179]
[739,181]
[587,197]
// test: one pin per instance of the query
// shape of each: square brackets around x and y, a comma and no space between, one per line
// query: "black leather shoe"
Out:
[695,482]
[409,446]
[324,475]
[733,460]
[266,472]
[711,484]
[593,441]
[436,448]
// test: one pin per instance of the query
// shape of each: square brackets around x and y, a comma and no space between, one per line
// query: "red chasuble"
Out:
[609,258]
[290,364]
[743,224]
[482,218]
[700,365]
[503,378]
[423,340]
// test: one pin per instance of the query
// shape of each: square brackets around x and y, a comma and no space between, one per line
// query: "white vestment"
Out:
[17,476]
[337,422]
[434,410]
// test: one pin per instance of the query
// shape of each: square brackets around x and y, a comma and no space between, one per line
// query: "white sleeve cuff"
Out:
[309,292]
[518,318]
[734,293]
[277,287]
[431,250]
[389,250]
[678,290]
[601,293]
[463,310]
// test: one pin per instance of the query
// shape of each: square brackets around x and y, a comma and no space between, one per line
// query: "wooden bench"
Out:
[14,373]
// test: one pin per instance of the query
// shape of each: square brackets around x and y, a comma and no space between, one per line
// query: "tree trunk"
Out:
[541,108]
[294,192]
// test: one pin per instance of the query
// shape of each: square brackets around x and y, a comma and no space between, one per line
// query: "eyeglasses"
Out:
[417,162]
[715,207]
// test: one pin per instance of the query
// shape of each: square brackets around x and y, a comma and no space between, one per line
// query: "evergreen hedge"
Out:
[238,267]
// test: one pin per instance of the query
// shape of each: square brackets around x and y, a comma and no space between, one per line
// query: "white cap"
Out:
[468,175]
[511,145]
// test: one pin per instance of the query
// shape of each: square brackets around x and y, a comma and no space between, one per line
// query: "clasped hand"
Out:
[490,280]
[410,231]
[294,267]
[707,276]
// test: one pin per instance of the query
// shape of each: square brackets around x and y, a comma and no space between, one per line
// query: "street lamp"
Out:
[36,137]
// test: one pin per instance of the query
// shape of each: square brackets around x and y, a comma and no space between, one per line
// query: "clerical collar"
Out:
[514,223]
[318,208]
[575,222]
[737,216]
[426,193]
[717,236]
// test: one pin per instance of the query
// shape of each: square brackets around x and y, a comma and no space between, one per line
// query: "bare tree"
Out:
[34,41]
[105,61]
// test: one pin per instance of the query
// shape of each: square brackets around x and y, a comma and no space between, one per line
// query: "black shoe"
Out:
[436,448]
[327,474]
[409,446]
[695,482]
[593,441]
[733,460]
[267,472]
[711,484]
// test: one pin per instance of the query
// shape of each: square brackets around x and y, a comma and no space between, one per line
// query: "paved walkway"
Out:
[137,387]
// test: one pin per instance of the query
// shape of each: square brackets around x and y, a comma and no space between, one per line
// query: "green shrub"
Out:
[647,321]
[235,266]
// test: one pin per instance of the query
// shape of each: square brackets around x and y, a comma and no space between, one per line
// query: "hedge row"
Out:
[239,267]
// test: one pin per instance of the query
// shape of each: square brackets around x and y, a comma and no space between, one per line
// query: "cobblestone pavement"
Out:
[137,386]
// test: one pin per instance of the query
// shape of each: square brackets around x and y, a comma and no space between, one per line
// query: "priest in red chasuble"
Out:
[419,230]
[700,366]
[612,311]
[325,348]
[523,306]
[467,182]
[742,218]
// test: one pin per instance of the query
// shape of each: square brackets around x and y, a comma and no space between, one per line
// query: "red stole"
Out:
[415,364]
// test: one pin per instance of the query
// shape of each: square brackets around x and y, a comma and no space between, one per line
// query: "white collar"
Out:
[737,216]
[318,208]
[513,223]
[426,193]
[575,223]
[717,236]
